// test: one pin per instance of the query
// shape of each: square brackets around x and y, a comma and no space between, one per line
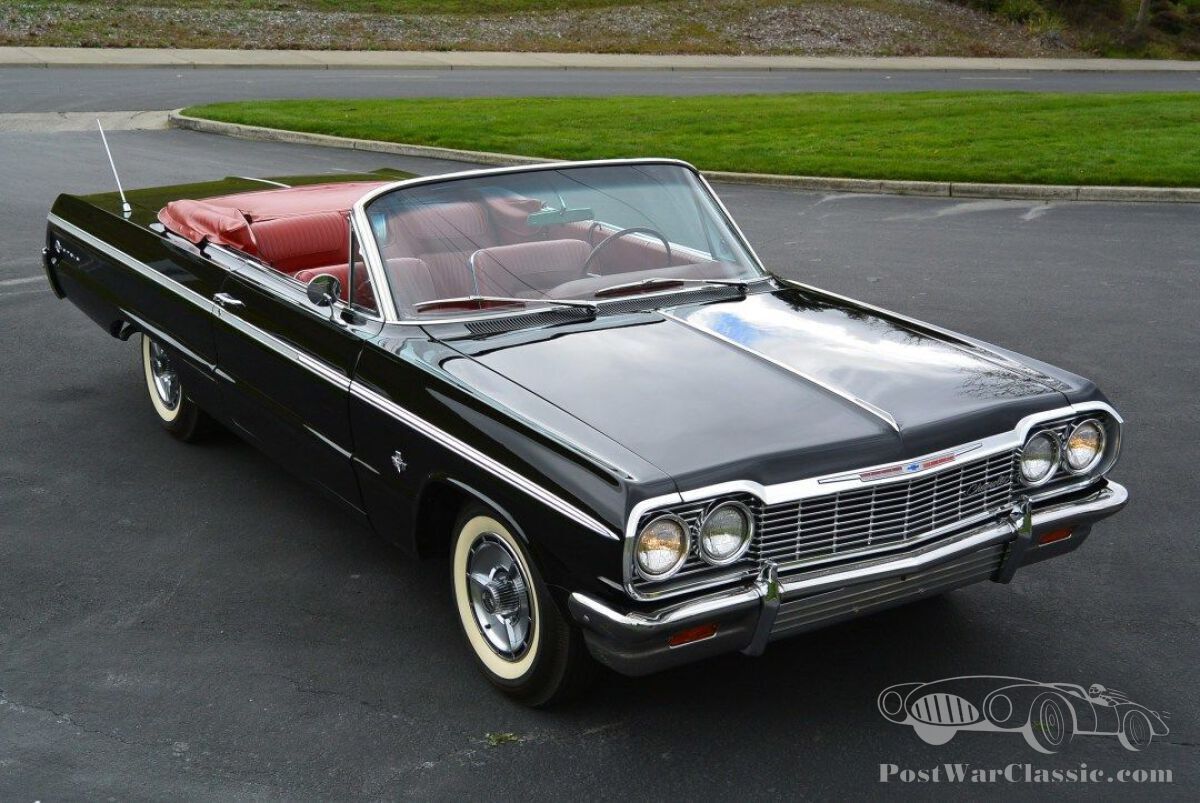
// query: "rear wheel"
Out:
[520,638]
[178,414]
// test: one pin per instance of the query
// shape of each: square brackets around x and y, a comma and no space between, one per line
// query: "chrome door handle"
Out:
[227,301]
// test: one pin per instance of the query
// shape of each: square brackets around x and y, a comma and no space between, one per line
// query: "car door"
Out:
[285,365]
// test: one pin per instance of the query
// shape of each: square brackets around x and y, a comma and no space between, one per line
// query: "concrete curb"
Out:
[944,189]
[469,59]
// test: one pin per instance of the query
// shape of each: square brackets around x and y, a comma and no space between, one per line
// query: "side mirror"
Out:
[324,289]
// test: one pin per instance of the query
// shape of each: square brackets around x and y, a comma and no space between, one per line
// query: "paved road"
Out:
[190,622]
[24,89]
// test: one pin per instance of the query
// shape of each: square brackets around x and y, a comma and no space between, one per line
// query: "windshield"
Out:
[589,233]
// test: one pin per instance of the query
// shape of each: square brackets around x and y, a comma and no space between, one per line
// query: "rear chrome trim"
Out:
[188,294]
[473,455]
[877,412]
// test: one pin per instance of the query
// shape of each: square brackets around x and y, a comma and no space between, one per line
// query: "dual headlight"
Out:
[663,544]
[1045,452]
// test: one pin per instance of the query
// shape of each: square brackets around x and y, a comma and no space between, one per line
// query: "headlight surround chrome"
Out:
[726,533]
[1085,446]
[661,547]
[1040,458]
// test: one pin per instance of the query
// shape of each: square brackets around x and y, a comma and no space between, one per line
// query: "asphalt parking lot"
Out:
[191,622]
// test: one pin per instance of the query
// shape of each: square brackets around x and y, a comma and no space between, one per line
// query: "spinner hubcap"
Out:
[166,380]
[499,594]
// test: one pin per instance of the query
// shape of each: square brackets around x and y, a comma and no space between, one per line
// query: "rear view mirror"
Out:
[324,289]
[556,217]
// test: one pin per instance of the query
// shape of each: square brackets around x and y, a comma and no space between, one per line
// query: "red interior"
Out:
[428,250]
[291,229]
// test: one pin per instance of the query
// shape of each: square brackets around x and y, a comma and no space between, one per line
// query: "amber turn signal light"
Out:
[698,633]
[1055,535]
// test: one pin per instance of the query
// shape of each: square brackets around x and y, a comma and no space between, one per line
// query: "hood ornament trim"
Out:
[874,410]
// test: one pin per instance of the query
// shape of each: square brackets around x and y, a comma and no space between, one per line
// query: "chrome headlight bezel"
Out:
[747,539]
[1101,453]
[1055,462]
[683,556]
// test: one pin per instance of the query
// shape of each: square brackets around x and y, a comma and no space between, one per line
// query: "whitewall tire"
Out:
[178,414]
[519,637]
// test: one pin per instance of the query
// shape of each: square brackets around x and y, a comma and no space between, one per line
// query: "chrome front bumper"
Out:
[749,617]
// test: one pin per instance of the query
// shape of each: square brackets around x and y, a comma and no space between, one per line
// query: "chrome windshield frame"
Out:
[373,257]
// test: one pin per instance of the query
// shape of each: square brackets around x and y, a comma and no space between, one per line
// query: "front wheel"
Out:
[1136,731]
[178,414]
[520,638]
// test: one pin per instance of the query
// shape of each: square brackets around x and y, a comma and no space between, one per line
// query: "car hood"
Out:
[772,387]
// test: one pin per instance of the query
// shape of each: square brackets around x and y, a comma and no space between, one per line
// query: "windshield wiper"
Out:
[666,281]
[421,306]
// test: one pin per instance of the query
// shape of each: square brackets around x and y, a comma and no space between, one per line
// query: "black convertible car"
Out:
[634,443]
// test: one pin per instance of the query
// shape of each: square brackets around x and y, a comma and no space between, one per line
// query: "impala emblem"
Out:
[986,485]
[398,462]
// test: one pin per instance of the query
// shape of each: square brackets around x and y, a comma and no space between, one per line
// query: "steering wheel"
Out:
[616,235]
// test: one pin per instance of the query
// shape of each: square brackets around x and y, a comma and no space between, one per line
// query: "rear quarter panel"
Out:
[119,272]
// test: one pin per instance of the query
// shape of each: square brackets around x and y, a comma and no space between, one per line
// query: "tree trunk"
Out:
[1143,16]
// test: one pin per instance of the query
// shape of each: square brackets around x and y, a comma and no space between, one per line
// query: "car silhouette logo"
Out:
[1048,715]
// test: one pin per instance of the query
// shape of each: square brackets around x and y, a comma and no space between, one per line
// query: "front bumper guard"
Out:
[636,643]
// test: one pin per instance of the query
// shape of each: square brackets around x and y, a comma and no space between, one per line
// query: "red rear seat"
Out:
[292,244]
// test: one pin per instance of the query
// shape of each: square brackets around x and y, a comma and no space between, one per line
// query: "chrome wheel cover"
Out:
[499,596]
[166,380]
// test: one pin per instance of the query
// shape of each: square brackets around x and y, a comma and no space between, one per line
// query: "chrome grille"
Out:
[853,524]
[845,523]
[820,610]
[886,515]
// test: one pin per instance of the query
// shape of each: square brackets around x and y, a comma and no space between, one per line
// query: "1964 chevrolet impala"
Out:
[577,380]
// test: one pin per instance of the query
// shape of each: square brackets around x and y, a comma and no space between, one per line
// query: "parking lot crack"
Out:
[62,718]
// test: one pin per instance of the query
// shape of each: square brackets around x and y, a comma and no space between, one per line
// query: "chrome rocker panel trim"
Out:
[636,643]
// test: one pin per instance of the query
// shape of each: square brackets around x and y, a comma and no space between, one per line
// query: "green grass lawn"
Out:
[1129,139]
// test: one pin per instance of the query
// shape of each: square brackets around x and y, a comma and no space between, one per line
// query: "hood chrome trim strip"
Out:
[874,410]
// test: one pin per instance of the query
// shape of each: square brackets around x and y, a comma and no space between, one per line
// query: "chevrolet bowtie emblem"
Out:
[398,462]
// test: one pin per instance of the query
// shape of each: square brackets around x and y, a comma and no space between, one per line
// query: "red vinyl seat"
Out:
[296,243]
[529,268]
[442,236]
[226,219]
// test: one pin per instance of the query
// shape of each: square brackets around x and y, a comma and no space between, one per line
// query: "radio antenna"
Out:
[125,207]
